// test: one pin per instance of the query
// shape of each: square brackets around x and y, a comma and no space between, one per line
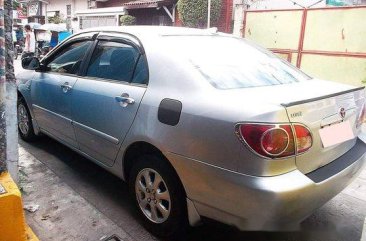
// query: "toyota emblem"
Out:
[342,113]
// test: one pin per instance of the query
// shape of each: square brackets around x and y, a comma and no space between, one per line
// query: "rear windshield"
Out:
[229,63]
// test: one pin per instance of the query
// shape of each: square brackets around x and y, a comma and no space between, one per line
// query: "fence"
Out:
[327,43]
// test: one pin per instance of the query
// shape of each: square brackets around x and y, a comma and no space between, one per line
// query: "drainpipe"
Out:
[8,94]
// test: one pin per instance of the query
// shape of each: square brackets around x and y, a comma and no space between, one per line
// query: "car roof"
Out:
[154,31]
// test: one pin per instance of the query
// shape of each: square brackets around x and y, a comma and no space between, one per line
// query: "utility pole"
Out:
[8,93]
[3,166]
[209,14]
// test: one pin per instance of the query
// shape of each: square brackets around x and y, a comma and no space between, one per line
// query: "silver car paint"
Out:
[204,149]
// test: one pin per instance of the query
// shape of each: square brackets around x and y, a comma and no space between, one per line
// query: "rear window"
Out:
[229,62]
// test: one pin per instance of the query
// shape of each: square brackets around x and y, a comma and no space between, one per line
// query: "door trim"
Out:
[81,126]
[51,112]
[96,132]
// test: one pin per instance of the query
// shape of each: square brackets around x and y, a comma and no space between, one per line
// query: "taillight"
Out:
[276,140]
[362,116]
[304,139]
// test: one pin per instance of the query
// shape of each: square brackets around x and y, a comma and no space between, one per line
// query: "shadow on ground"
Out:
[110,196]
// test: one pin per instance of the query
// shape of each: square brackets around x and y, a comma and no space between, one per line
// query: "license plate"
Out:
[335,134]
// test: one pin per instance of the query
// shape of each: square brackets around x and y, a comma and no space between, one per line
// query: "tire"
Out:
[168,195]
[25,125]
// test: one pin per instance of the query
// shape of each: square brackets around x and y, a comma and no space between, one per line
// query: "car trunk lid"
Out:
[330,112]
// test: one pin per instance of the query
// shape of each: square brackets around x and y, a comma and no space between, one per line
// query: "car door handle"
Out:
[125,100]
[66,87]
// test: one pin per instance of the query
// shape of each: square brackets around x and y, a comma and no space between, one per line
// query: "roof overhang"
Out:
[148,4]
[34,1]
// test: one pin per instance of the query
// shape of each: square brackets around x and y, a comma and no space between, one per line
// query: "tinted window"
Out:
[228,62]
[115,61]
[70,58]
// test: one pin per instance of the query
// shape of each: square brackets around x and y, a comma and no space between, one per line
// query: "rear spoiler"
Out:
[321,97]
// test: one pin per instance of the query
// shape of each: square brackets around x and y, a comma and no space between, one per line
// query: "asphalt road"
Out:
[341,218]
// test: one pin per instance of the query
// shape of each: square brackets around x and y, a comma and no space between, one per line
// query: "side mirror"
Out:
[31,63]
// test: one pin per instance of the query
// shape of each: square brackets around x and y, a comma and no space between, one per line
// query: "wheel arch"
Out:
[140,148]
[21,96]
[35,124]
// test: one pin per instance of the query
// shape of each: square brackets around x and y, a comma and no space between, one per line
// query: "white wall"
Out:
[60,5]
[238,14]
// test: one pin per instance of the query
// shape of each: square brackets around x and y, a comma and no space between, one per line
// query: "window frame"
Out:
[89,36]
[117,37]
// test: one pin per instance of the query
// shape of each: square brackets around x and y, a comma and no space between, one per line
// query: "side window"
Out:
[141,73]
[114,61]
[70,58]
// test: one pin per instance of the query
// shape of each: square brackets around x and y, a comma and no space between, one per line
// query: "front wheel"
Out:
[159,196]
[25,125]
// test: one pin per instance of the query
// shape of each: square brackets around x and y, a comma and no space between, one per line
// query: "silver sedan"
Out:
[199,123]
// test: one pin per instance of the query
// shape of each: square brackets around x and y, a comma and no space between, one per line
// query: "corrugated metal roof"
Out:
[147,3]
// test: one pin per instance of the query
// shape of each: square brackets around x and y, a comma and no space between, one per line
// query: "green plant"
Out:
[126,20]
[16,5]
[56,19]
[194,13]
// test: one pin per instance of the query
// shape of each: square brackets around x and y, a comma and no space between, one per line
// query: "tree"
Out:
[16,5]
[56,19]
[194,13]
[8,92]
[127,20]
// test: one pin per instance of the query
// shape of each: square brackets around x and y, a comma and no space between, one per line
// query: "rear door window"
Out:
[113,61]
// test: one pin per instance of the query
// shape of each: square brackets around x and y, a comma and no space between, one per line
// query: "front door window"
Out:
[68,60]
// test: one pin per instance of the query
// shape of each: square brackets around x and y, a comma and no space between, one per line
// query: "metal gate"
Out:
[97,21]
[327,43]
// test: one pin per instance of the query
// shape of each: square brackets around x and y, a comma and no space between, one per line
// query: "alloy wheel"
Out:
[153,195]
[23,120]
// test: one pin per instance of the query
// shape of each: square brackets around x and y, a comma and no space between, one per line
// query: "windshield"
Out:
[228,62]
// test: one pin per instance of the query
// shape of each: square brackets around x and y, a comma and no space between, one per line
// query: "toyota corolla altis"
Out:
[199,123]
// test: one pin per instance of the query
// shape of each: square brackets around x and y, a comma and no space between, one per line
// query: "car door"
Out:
[107,97]
[51,90]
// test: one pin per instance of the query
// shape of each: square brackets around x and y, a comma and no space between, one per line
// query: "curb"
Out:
[12,221]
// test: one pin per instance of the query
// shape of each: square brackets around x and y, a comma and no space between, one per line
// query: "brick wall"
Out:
[224,23]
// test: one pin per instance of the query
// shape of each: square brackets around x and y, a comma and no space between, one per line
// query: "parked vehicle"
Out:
[199,123]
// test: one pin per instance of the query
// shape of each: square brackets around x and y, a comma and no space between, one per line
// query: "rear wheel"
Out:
[25,125]
[159,196]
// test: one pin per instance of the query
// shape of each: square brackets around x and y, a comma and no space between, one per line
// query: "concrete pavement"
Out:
[60,213]
[363,238]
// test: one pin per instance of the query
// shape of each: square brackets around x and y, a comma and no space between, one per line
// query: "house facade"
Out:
[81,14]
[150,12]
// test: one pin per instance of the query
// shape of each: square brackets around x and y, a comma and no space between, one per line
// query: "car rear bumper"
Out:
[265,203]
